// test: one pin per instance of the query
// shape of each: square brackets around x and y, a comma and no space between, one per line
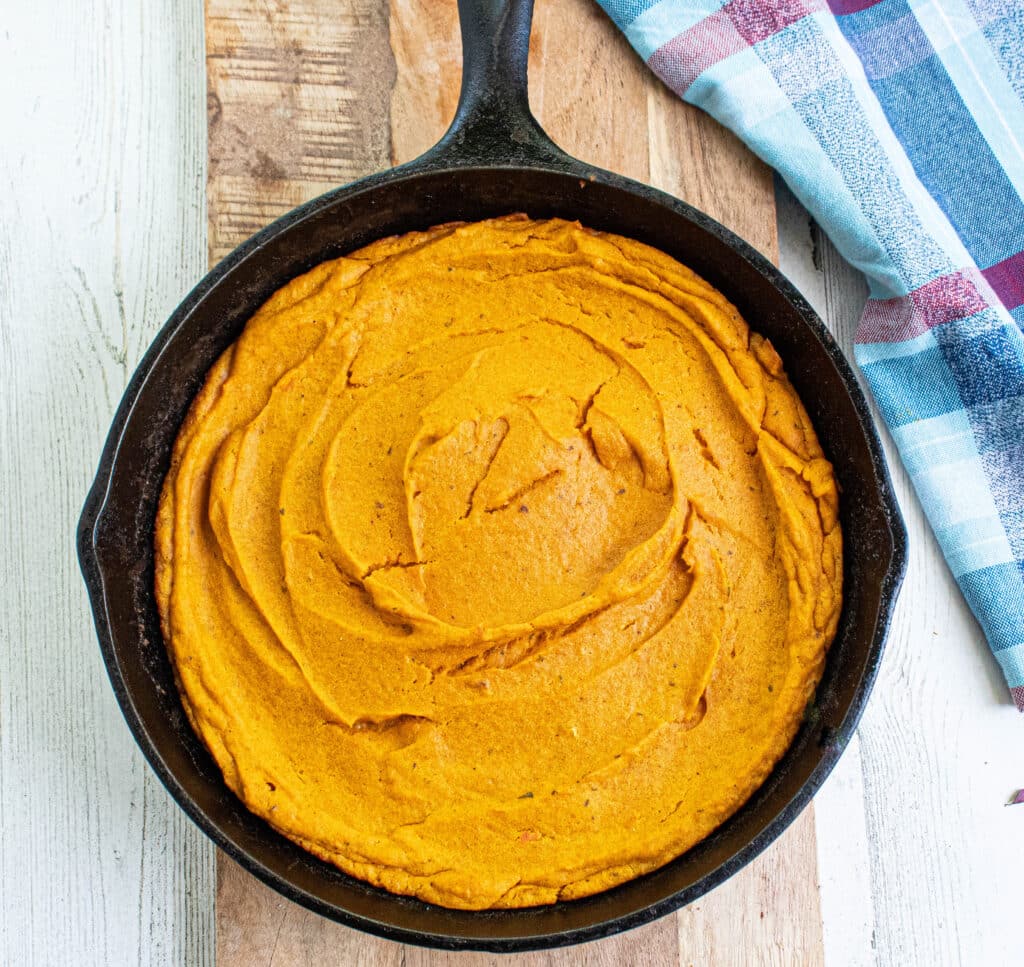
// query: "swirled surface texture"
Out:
[497,563]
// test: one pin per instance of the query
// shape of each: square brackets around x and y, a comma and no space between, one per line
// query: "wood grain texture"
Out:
[102,185]
[102,232]
[602,105]
[297,104]
[257,926]
[695,158]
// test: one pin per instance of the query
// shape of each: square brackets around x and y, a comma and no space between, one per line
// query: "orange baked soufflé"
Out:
[498,563]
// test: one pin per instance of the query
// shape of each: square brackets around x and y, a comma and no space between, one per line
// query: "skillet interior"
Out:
[115,533]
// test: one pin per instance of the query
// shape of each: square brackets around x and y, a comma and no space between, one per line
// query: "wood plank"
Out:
[940,743]
[297,100]
[427,51]
[767,914]
[696,159]
[592,102]
[256,925]
[603,106]
[649,946]
[102,231]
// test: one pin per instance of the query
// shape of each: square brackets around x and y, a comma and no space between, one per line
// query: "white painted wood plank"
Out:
[102,230]
[844,868]
[940,745]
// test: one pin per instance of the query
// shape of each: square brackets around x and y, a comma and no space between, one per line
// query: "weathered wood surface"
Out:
[920,862]
[103,230]
[600,104]
[297,98]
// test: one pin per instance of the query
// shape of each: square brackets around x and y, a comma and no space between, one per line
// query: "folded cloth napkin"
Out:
[900,126]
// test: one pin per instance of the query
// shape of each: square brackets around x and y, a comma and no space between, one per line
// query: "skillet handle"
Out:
[493,124]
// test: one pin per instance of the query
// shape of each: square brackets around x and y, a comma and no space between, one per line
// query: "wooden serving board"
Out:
[304,95]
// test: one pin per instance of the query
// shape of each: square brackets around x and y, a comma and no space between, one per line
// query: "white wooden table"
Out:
[102,229]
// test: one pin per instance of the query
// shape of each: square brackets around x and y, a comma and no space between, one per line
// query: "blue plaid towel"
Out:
[900,125]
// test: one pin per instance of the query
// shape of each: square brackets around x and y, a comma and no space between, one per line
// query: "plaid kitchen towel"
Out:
[900,125]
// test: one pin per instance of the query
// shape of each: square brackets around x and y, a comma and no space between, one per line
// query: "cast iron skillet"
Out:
[493,160]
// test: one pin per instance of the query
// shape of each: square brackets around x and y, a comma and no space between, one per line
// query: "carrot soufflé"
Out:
[497,563]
